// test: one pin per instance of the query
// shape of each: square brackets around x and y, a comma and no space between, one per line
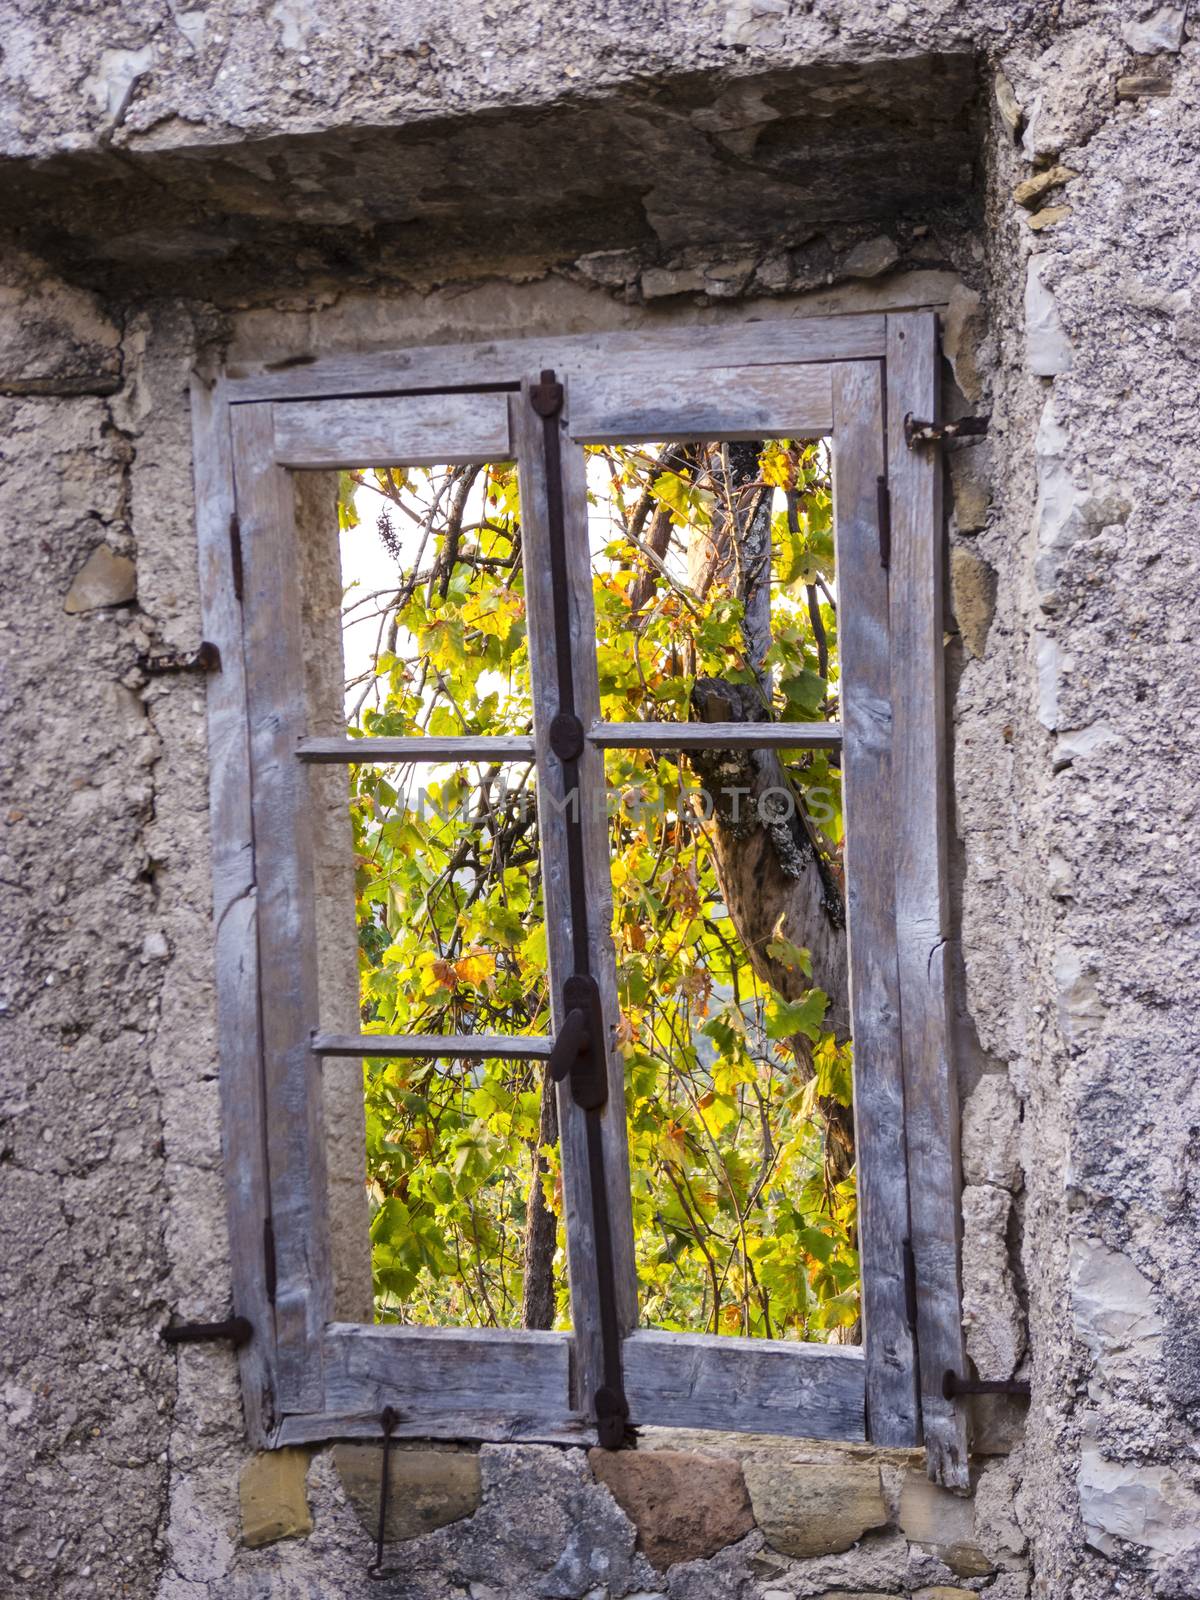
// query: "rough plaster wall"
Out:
[94,1185]
[1100,601]
[1078,898]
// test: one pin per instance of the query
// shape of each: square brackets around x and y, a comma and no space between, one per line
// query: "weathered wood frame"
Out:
[854,378]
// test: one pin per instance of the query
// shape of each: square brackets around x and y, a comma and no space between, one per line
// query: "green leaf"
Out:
[788,1017]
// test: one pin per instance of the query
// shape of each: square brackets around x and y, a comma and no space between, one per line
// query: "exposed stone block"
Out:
[973,598]
[872,257]
[685,1506]
[971,484]
[1047,348]
[1142,86]
[1080,1008]
[815,1508]
[1008,105]
[54,338]
[1033,189]
[990,1133]
[661,282]
[962,329]
[992,1318]
[1047,217]
[1113,1307]
[612,268]
[273,1496]
[856,1594]
[105,579]
[1072,95]
[1161,30]
[428,1486]
[1148,1506]
[943,1522]
[728,279]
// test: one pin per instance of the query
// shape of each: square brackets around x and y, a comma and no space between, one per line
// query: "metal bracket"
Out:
[953,1386]
[388,1418]
[883,514]
[612,1418]
[578,1051]
[546,397]
[917,432]
[238,1330]
[566,736]
[206,659]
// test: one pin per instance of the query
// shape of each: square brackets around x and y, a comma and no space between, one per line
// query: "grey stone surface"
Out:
[1158,29]
[873,256]
[1126,1502]
[1114,1308]
[944,1523]
[202,155]
[991,1129]
[1047,347]
[992,1314]
[427,1487]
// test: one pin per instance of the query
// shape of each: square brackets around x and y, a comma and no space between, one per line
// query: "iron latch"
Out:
[205,659]
[953,1386]
[238,1330]
[388,1418]
[917,432]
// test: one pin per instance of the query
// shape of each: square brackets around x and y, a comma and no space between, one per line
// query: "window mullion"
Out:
[581,1168]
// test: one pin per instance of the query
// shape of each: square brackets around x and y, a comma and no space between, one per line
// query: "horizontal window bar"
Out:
[716,735]
[359,751]
[472,1046]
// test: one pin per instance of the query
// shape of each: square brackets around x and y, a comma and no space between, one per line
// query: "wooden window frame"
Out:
[854,379]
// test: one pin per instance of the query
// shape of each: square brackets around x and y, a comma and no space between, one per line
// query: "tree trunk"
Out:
[773,877]
[541,1225]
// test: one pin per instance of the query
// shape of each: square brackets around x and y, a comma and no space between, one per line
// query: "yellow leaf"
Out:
[475,967]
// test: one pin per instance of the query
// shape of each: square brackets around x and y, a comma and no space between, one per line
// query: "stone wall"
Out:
[1060,247]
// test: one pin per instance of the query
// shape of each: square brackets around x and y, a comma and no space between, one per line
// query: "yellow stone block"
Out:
[274,1501]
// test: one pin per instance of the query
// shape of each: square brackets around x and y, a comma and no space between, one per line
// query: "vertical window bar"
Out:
[580,994]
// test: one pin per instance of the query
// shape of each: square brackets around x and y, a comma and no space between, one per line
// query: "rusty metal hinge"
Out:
[917,432]
[205,659]
[883,512]
[235,554]
[269,1257]
[238,1330]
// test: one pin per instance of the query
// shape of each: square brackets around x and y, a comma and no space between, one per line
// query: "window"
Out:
[851,381]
